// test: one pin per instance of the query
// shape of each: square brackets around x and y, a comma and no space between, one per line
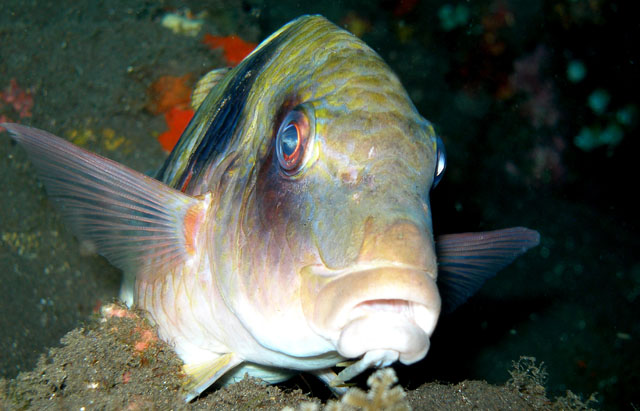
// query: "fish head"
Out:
[322,229]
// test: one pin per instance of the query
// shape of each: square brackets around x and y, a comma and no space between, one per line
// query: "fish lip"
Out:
[351,299]
[388,332]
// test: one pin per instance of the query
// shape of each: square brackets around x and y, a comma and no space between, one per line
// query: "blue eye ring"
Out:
[293,141]
[441,162]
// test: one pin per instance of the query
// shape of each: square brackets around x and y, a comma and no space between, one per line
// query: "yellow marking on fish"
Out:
[202,374]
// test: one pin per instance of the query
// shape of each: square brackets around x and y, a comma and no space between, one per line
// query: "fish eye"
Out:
[441,162]
[292,141]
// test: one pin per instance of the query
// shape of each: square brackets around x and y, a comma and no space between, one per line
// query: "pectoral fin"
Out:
[203,374]
[466,261]
[139,224]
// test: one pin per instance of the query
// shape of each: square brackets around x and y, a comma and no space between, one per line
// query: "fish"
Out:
[290,227]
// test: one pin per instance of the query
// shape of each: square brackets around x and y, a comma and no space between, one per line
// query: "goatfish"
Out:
[290,228]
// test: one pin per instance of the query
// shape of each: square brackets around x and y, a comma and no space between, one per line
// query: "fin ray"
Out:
[136,222]
[205,84]
[466,261]
[203,374]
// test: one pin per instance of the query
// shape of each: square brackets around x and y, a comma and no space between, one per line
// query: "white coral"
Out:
[382,395]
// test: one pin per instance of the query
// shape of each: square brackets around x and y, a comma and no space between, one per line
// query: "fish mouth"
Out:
[398,326]
[390,308]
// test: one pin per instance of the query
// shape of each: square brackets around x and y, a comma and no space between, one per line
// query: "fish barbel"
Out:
[290,228]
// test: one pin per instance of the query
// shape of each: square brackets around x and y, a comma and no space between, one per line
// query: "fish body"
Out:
[290,228]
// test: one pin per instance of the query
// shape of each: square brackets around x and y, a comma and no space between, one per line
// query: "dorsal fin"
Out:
[205,84]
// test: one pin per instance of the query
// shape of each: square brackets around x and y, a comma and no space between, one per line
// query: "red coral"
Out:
[116,311]
[167,92]
[234,48]
[21,100]
[177,119]
[170,96]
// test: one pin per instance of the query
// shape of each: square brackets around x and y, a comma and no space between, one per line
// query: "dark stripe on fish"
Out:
[225,117]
